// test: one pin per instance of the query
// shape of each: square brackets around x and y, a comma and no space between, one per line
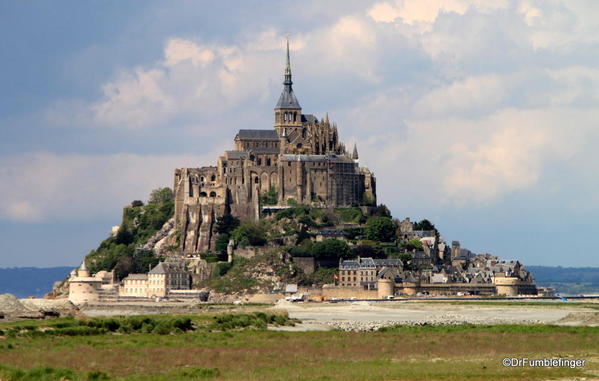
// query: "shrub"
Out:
[270,198]
[354,215]
[163,328]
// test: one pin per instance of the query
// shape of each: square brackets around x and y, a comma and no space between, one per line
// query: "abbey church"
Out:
[300,161]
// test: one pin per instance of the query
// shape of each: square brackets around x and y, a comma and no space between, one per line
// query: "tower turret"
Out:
[288,112]
[83,271]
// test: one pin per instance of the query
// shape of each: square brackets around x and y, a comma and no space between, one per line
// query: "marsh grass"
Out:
[236,347]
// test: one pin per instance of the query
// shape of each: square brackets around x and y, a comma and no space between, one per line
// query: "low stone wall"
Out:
[265,298]
[348,293]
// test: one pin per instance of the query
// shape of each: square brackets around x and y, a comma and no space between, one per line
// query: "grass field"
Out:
[238,347]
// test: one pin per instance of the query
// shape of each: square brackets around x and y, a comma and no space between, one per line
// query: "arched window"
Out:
[299,145]
[259,161]
[268,162]
[212,194]
[203,194]
[212,178]
[202,178]
[256,180]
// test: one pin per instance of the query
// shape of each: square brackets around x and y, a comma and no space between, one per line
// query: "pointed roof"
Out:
[354,155]
[158,269]
[83,267]
[287,99]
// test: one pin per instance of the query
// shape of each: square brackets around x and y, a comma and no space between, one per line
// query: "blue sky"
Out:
[479,115]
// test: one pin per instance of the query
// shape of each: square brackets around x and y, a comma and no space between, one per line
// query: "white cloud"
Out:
[178,50]
[47,186]
[472,95]
[427,11]
[463,121]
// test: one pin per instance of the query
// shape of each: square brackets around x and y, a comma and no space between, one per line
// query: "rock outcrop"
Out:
[163,239]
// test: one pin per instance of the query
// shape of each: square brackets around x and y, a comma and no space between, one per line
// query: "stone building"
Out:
[166,276]
[300,160]
[158,282]
[364,272]
[135,285]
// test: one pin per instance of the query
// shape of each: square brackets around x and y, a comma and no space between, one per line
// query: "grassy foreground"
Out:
[238,347]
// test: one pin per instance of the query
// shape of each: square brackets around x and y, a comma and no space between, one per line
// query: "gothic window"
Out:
[212,194]
[259,161]
[202,178]
[268,162]
[256,180]
[212,178]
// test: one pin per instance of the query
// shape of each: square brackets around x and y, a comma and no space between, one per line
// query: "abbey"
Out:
[299,161]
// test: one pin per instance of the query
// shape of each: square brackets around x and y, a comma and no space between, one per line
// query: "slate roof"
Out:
[258,134]
[158,269]
[287,100]
[309,118]
[136,277]
[388,262]
[265,150]
[233,155]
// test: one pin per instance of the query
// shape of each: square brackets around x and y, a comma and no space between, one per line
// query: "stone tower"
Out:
[288,112]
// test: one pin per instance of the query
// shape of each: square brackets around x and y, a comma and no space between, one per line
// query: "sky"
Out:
[480,115]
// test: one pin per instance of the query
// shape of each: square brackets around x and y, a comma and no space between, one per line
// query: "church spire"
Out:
[288,81]
[354,155]
[287,100]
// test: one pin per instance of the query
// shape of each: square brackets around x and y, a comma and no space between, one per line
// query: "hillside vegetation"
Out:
[121,251]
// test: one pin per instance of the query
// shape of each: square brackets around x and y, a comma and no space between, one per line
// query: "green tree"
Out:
[226,223]
[381,229]
[369,251]
[382,211]
[424,225]
[330,249]
[249,233]
[222,242]
[406,259]
[161,195]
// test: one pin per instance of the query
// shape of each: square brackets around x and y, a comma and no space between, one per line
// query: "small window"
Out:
[212,178]
[203,194]
[212,194]
[256,180]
